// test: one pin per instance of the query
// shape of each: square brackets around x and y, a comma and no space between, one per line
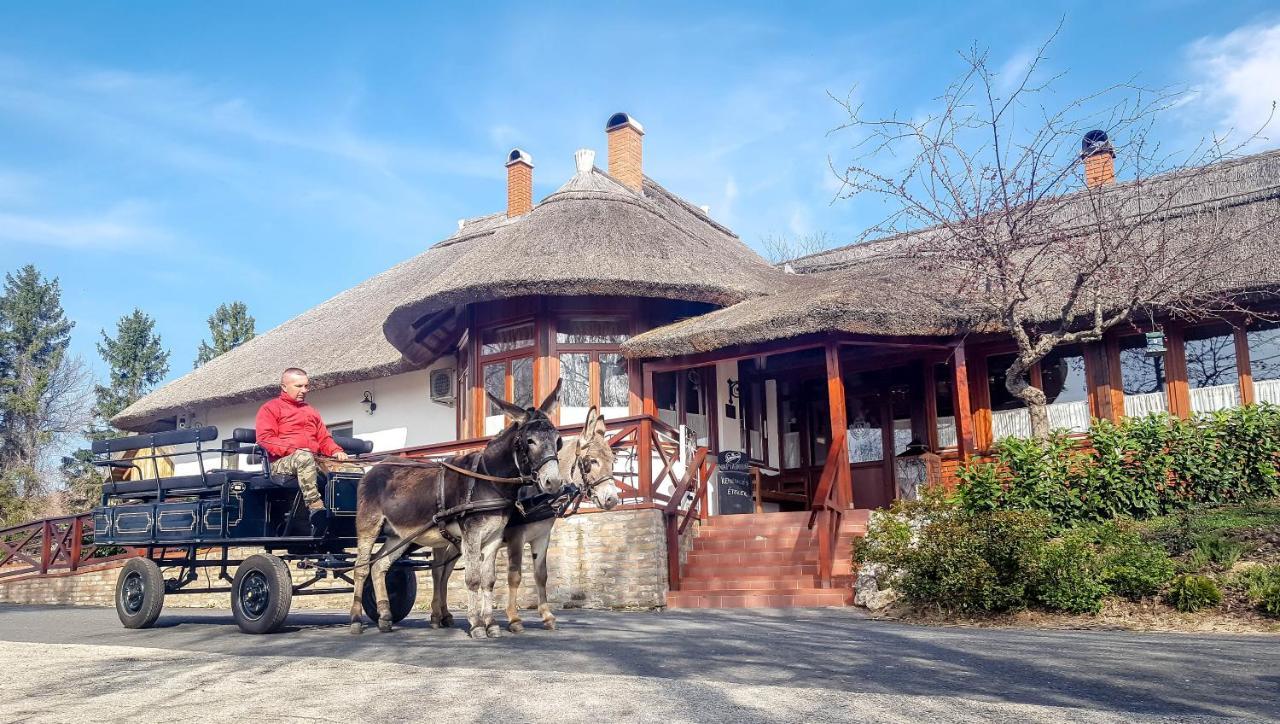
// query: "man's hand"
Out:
[341,455]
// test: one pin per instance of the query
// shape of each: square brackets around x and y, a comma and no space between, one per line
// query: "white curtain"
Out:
[1215,397]
[1010,423]
[947,431]
[1073,416]
[1145,404]
[866,444]
[1267,391]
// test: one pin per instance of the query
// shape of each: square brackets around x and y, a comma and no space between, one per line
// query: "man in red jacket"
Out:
[292,434]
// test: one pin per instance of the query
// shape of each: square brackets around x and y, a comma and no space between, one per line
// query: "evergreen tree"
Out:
[37,380]
[137,360]
[230,326]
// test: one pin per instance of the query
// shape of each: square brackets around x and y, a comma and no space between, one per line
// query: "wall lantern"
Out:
[369,404]
[731,410]
[1155,344]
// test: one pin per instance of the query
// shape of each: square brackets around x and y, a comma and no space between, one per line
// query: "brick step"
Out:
[772,531]
[766,571]
[800,517]
[752,558]
[758,583]
[747,545]
[740,598]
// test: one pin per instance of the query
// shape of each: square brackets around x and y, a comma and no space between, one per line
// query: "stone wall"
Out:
[596,560]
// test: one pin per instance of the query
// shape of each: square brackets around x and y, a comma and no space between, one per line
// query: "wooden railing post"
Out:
[673,551]
[46,545]
[77,533]
[644,452]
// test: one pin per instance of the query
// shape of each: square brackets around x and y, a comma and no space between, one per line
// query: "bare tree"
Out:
[991,200]
[781,248]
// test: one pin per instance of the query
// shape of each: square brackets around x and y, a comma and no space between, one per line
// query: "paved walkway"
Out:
[812,665]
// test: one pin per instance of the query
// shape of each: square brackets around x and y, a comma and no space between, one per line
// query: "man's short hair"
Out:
[294,371]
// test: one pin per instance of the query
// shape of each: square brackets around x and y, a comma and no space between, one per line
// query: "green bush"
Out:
[1219,550]
[939,556]
[1132,567]
[1071,576]
[1261,585]
[1190,593]
[1139,467]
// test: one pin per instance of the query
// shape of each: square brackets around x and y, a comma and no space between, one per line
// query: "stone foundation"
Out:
[596,560]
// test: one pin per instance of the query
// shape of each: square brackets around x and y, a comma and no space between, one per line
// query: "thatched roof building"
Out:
[594,235]
[889,287]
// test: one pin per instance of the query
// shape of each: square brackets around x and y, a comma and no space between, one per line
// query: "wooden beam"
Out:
[839,418]
[930,386]
[1244,365]
[961,403]
[1175,372]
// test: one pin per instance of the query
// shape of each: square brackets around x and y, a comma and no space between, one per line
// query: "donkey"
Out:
[587,462]
[405,499]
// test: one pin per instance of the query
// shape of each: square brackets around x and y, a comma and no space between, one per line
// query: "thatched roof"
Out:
[884,287]
[592,236]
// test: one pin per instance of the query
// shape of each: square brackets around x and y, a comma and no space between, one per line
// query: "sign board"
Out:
[735,491]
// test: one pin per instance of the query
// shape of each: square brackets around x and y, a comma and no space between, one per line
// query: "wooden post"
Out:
[929,384]
[839,419]
[46,545]
[961,404]
[644,459]
[1175,372]
[757,479]
[1244,366]
[77,533]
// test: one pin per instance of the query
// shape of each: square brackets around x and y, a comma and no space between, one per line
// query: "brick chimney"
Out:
[519,183]
[626,143]
[1099,159]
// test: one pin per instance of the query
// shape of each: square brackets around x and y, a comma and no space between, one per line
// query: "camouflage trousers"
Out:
[302,465]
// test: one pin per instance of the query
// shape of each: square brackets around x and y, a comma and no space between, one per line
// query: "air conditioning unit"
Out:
[442,386]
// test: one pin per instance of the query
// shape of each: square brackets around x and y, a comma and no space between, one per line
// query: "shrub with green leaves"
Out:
[1261,586]
[1131,567]
[1219,550]
[1189,593]
[1071,576]
[1138,467]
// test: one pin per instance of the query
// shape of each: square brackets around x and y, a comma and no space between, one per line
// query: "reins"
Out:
[389,461]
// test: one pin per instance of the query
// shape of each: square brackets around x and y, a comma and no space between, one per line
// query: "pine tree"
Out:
[230,326]
[38,382]
[137,360]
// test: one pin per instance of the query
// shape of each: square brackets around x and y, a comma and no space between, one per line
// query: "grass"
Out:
[1220,520]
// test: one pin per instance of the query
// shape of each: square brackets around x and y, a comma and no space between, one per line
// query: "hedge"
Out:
[1138,468]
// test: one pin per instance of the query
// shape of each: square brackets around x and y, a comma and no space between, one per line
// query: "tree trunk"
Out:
[1015,380]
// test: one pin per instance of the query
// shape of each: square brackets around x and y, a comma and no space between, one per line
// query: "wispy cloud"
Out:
[127,225]
[1237,82]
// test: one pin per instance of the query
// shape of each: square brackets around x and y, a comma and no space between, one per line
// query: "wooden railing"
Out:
[692,487]
[51,545]
[640,443]
[827,511]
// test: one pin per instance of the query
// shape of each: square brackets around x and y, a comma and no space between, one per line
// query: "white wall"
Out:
[405,415]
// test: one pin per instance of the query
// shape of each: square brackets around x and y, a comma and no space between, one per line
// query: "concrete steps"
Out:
[765,560]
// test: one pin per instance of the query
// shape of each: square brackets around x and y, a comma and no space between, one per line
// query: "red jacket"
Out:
[284,425]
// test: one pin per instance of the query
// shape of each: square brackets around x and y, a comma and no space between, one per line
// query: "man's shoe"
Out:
[319,522]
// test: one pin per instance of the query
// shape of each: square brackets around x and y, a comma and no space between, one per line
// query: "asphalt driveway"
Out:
[822,664]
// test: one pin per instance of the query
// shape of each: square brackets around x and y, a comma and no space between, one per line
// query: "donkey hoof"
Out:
[436,623]
[478,632]
[493,631]
[446,620]
[550,625]
[515,627]
[384,625]
[356,628]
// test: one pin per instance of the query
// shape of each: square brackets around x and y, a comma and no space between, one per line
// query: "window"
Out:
[1066,389]
[1264,361]
[942,385]
[592,370]
[1142,378]
[1213,378]
[506,339]
[588,330]
[1009,416]
[506,370]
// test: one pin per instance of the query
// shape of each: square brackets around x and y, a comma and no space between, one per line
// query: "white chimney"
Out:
[584,159]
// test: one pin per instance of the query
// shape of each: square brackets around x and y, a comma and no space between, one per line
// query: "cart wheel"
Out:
[402,591]
[139,593]
[261,593]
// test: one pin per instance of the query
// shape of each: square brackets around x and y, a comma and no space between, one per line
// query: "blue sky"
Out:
[173,156]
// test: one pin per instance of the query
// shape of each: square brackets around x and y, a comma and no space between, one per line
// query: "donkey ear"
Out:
[589,427]
[515,412]
[549,404]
